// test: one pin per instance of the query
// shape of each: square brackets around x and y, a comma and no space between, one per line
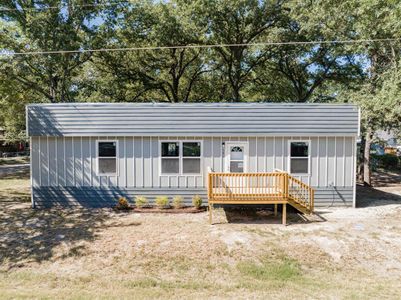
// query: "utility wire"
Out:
[4,52]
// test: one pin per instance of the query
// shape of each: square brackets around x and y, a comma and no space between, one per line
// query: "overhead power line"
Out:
[10,53]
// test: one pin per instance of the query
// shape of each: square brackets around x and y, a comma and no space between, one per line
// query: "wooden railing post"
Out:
[209,186]
[286,179]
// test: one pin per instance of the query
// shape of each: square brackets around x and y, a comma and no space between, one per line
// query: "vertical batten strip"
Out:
[40,161]
[133,163]
[265,155]
[282,154]
[318,162]
[335,162]
[212,143]
[274,153]
[327,163]
[151,161]
[143,163]
[256,150]
[82,164]
[90,162]
[125,162]
[344,164]
[48,161]
[65,164]
[222,155]
[309,160]
[355,146]
[158,161]
[73,160]
[55,158]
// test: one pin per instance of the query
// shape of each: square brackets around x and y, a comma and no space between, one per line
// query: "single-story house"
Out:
[89,154]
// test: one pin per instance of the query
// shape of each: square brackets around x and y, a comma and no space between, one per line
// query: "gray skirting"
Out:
[48,196]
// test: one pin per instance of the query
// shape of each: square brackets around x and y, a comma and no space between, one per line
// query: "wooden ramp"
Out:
[260,188]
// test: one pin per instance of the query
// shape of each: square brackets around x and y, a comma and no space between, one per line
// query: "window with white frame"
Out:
[107,157]
[180,157]
[299,157]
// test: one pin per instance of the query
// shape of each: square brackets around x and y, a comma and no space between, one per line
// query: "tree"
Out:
[158,75]
[240,22]
[47,26]
[378,93]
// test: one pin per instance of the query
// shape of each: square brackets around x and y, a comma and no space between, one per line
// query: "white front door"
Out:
[236,157]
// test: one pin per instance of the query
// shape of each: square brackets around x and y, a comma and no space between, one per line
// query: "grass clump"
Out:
[141,201]
[278,270]
[162,201]
[122,203]
[197,201]
[178,202]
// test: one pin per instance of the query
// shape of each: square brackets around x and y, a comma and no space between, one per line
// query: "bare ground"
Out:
[339,253]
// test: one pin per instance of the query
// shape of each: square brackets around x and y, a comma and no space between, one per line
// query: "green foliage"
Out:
[141,201]
[197,201]
[386,161]
[162,201]
[178,202]
[122,203]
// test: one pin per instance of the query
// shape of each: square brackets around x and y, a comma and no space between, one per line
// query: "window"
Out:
[191,157]
[181,157]
[170,158]
[107,157]
[299,157]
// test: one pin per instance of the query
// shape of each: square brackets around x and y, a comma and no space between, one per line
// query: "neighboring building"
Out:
[91,153]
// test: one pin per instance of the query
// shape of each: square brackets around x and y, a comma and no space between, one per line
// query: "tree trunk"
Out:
[366,159]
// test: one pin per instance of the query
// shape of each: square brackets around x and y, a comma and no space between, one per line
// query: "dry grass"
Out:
[104,255]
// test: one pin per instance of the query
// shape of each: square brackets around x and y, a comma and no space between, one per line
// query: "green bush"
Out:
[178,202]
[140,201]
[197,201]
[122,203]
[386,161]
[162,201]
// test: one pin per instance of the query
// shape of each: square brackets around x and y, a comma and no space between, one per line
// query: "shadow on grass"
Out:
[21,172]
[369,196]
[31,235]
[246,214]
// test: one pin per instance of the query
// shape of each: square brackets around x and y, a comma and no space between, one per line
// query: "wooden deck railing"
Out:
[260,188]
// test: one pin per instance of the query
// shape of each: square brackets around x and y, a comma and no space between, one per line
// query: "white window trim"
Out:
[308,157]
[180,157]
[227,159]
[97,158]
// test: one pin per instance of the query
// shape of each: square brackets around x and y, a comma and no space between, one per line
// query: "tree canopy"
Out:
[301,63]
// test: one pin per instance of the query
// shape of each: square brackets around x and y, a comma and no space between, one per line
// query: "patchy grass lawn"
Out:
[14,160]
[79,253]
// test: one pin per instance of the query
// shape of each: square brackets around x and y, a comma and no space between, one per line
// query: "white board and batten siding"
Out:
[64,142]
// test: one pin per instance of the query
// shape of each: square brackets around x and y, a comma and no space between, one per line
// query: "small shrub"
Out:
[178,202]
[140,201]
[162,201]
[122,203]
[197,201]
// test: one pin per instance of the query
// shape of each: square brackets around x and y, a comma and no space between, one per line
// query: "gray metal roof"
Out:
[194,119]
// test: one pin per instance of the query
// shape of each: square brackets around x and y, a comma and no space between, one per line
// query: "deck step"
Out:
[299,207]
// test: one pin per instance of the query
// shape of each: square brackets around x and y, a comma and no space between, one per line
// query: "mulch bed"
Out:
[168,210]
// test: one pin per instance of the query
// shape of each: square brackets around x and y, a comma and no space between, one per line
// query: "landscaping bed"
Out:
[167,210]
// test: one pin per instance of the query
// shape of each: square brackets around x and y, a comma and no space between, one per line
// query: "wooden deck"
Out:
[260,188]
